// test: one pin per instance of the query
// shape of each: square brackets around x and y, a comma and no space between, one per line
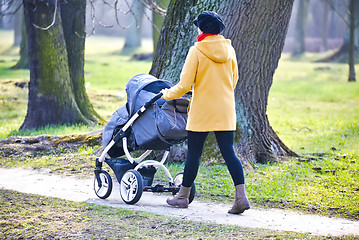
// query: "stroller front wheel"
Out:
[103,184]
[131,187]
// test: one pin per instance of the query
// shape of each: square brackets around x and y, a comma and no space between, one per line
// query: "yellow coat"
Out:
[211,69]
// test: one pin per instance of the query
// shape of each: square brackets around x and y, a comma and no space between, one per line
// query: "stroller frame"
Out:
[131,182]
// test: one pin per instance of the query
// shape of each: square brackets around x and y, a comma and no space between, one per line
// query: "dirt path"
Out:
[81,190]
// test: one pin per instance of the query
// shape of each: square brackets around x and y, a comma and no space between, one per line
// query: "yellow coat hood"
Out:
[216,48]
[211,71]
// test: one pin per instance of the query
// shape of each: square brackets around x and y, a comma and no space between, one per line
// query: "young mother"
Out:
[211,69]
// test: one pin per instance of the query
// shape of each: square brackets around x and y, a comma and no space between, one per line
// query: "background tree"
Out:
[157,19]
[133,36]
[52,97]
[349,49]
[23,62]
[299,35]
[258,36]
[351,59]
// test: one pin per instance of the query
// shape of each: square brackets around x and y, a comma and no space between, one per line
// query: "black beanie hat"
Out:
[209,22]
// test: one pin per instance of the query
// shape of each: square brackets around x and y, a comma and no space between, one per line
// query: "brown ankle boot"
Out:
[241,202]
[181,200]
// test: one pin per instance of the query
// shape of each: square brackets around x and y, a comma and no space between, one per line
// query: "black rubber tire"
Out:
[131,186]
[105,189]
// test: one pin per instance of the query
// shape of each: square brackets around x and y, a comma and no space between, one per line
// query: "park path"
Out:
[81,190]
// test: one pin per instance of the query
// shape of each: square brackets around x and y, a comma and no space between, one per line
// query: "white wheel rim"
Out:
[178,180]
[129,186]
[101,191]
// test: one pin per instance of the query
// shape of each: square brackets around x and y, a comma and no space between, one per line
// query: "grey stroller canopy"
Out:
[161,125]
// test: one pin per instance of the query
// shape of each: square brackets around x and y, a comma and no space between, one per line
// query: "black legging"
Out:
[225,140]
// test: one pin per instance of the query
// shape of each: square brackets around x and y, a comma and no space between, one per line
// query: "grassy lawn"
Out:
[28,216]
[311,106]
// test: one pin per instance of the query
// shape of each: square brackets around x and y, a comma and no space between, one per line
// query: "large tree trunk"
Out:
[51,98]
[258,36]
[73,16]
[177,36]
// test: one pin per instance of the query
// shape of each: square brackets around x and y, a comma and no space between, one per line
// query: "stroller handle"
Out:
[154,99]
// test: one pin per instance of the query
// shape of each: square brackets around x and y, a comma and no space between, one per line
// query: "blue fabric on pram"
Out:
[161,125]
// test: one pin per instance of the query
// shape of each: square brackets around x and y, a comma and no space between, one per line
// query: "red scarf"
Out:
[203,36]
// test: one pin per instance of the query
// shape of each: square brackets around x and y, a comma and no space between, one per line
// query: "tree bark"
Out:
[51,98]
[257,29]
[177,36]
[73,16]
[258,39]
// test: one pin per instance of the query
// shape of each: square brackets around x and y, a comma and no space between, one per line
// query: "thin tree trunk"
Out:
[324,32]
[157,20]
[51,99]
[133,36]
[299,35]
[23,62]
[351,60]
[18,23]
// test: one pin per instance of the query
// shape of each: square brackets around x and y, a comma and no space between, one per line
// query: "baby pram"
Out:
[145,123]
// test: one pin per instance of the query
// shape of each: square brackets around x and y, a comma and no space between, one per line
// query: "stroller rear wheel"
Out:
[178,181]
[131,186]
[103,184]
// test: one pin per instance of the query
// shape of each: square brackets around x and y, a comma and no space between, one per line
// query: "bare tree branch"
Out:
[150,4]
[343,16]
[53,20]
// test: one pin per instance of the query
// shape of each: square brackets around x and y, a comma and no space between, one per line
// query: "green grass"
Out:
[311,106]
[28,216]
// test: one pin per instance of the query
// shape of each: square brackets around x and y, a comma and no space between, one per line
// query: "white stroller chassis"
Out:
[132,183]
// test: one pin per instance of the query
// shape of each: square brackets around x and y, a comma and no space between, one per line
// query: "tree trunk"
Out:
[342,55]
[177,36]
[258,37]
[133,35]
[324,32]
[351,59]
[157,20]
[18,23]
[51,98]
[23,62]
[73,16]
[299,34]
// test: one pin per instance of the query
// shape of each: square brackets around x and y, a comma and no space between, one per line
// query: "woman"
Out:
[211,69]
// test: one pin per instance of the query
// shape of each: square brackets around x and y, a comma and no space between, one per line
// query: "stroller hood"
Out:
[160,126]
[139,83]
